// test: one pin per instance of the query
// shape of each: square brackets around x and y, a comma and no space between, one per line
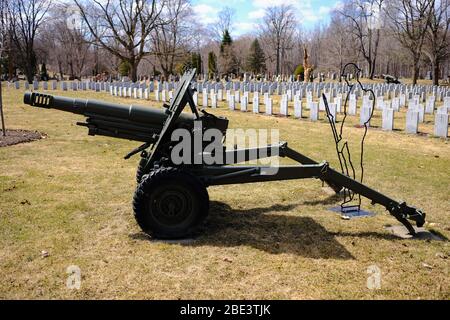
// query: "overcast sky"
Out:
[248,12]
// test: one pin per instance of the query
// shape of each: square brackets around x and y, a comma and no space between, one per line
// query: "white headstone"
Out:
[364,115]
[195,98]
[314,111]
[214,100]
[441,125]
[412,121]
[269,106]
[430,104]
[388,119]
[297,106]
[205,99]
[231,102]
[352,106]
[338,102]
[396,104]
[244,103]
[256,102]
[284,105]
[332,109]
[237,96]
[421,110]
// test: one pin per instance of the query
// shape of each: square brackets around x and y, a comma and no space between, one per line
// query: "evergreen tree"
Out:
[196,61]
[256,61]
[228,60]
[212,63]
[226,40]
[44,73]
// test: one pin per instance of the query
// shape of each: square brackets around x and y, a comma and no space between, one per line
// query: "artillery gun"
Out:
[171,198]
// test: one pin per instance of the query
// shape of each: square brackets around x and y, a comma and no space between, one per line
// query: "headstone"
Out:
[284,105]
[45,85]
[17,85]
[256,102]
[332,109]
[379,103]
[269,106]
[314,111]
[237,96]
[338,102]
[441,125]
[421,110]
[430,104]
[205,99]
[231,102]
[214,101]
[412,121]
[297,107]
[244,103]
[396,104]
[195,98]
[388,119]
[364,116]
[352,106]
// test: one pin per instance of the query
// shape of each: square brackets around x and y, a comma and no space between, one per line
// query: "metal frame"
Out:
[225,175]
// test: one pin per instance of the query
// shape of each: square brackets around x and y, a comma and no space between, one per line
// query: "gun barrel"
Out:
[92,108]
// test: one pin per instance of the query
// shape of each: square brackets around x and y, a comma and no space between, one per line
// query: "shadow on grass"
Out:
[272,233]
[332,199]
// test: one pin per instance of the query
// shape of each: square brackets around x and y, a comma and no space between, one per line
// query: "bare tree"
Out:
[409,21]
[366,18]
[29,15]
[224,22]
[171,41]
[278,28]
[437,37]
[340,43]
[66,41]
[122,27]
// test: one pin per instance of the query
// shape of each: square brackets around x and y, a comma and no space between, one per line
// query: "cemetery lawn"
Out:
[70,195]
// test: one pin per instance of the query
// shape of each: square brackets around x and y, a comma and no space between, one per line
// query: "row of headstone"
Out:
[419,100]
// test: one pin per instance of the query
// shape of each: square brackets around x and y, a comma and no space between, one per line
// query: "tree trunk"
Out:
[415,72]
[133,71]
[436,73]
[278,60]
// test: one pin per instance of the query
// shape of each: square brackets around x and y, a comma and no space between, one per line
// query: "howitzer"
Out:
[171,198]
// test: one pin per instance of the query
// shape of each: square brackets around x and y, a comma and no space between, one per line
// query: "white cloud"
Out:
[245,27]
[205,13]
[304,9]
[256,14]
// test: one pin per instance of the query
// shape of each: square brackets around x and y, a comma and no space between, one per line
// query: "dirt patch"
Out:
[19,136]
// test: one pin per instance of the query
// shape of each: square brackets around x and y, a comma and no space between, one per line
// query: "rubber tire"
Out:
[140,169]
[162,178]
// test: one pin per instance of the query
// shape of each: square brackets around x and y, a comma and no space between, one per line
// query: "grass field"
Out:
[70,195]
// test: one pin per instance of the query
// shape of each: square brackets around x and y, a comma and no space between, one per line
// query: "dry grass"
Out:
[70,195]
